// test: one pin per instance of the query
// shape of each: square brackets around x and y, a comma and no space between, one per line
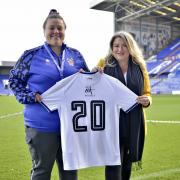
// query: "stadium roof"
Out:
[7,63]
[127,10]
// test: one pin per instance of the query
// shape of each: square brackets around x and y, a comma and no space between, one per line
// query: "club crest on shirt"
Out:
[70,61]
[89,91]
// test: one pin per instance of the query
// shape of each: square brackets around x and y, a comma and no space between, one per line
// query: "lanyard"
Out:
[60,69]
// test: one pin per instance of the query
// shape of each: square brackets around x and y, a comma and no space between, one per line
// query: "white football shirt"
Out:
[88,106]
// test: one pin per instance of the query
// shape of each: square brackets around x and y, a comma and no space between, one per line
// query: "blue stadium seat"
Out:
[172,48]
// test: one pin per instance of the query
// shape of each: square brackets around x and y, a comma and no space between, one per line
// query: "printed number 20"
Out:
[82,112]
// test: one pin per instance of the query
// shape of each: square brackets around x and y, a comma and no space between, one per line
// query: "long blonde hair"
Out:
[133,48]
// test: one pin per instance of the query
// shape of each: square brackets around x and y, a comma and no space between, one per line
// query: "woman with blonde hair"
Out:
[125,62]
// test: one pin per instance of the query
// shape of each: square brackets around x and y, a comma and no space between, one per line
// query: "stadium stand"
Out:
[167,86]
[155,26]
[5,67]
[170,51]
[4,88]
[164,72]
[163,68]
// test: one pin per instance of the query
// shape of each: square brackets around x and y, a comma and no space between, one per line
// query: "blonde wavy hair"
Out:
[133,48]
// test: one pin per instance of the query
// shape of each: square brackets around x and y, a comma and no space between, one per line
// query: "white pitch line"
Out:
[10,115]
[157,174]
[160,121]
[151,121]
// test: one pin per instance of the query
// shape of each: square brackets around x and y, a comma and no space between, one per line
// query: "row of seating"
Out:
[164,70]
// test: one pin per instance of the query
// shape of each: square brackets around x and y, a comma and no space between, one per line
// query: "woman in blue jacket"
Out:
[36,71]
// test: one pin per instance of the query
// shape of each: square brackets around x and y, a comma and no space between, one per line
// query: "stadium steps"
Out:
[164,72]
[172,55]
[166,69]
[170,49]
[155,82]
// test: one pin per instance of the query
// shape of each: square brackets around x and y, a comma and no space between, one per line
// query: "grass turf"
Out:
[161,159]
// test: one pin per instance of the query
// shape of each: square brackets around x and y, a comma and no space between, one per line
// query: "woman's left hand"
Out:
[144,100]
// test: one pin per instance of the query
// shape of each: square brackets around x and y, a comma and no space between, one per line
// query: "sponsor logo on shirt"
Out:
[89,91]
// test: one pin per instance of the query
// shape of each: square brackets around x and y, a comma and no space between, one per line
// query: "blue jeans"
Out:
[45,148]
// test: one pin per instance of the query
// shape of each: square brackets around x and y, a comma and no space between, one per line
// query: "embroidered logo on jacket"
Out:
[70,61]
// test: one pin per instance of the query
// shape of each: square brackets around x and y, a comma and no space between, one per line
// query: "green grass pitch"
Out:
[161,158]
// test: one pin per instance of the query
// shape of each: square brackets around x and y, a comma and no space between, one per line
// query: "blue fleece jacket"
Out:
[36,71]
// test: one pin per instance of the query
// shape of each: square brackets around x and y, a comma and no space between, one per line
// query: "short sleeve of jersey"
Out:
[124,97]
[54,96]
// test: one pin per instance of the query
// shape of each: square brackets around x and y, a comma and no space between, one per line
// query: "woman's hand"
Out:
[144,100]
[81,70]
[99,69]
[38,98]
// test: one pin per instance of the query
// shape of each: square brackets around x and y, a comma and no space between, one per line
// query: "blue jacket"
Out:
[35,72]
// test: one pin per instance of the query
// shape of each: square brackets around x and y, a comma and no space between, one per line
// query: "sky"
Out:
[21,21]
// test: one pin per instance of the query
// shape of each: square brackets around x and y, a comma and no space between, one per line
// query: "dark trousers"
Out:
[123,171]
[45,149]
